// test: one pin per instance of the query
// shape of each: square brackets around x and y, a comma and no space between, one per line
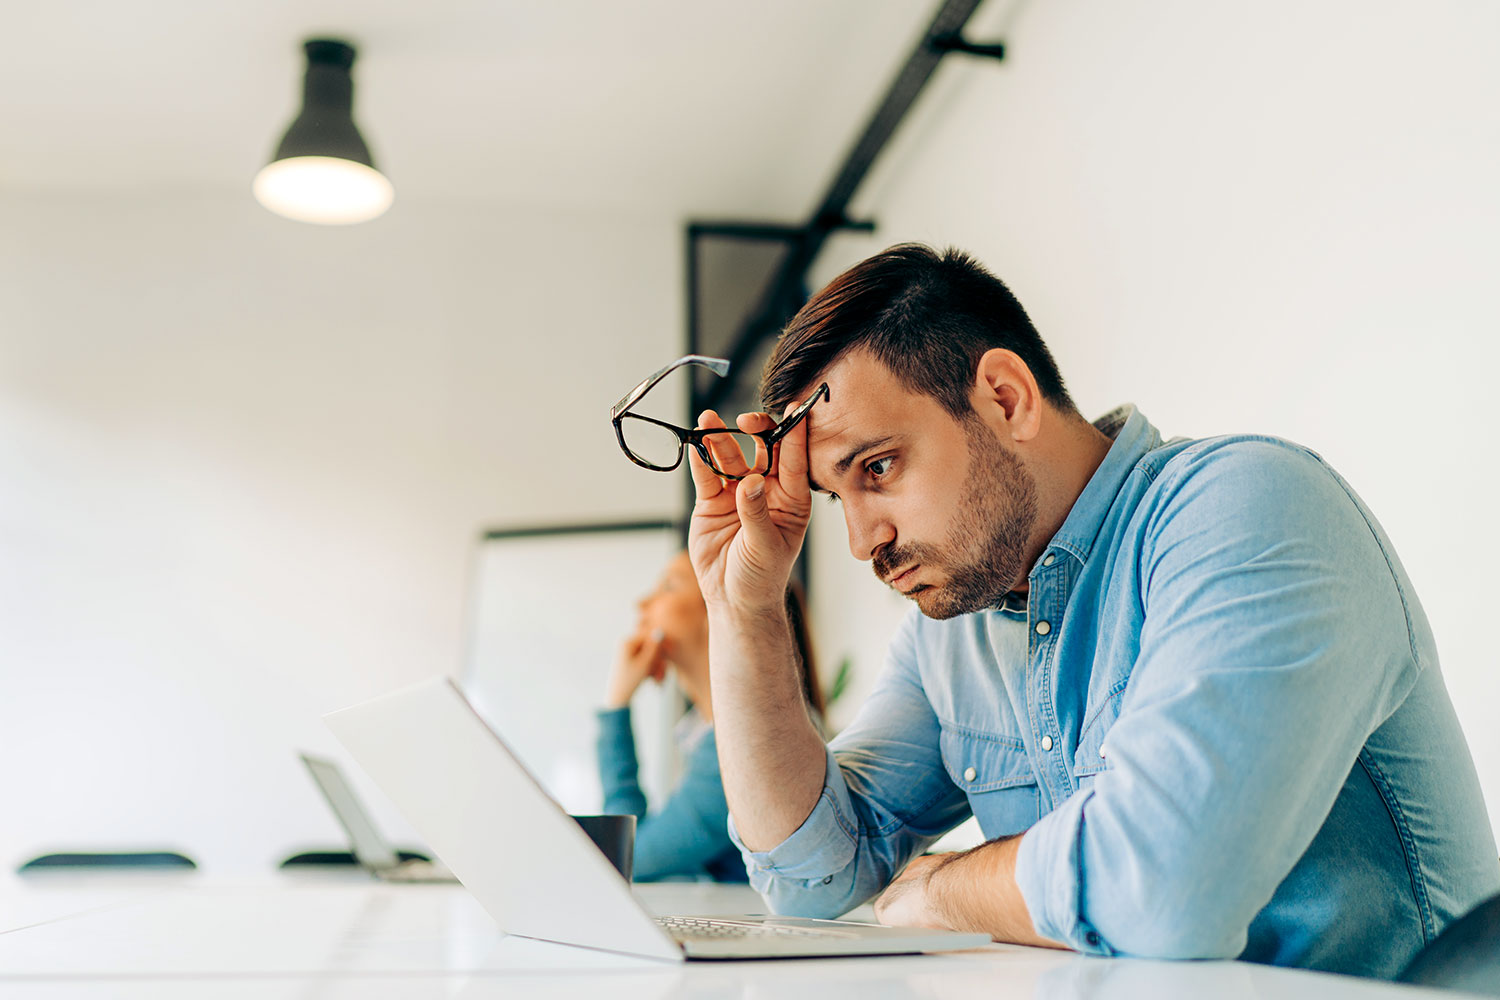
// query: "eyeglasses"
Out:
[659,446]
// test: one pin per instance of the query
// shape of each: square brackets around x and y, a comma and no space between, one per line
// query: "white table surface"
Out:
[311,937]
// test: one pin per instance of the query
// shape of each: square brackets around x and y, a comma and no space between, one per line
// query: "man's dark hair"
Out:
[928,317]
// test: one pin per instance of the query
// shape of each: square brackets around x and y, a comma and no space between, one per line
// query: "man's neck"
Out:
[1073,456]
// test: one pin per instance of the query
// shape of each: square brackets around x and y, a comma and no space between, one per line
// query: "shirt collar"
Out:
[1134,437]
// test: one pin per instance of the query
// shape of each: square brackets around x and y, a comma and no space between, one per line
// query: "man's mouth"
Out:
[906,576]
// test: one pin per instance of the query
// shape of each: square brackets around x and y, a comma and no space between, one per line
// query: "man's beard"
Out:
[987,543]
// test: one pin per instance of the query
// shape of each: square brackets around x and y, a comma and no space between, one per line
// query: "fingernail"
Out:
[754,490]
[657,635]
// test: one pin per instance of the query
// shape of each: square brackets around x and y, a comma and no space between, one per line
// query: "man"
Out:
[1185,687]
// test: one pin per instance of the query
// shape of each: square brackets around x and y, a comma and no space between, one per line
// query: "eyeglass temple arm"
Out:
[780,430]
[719,366]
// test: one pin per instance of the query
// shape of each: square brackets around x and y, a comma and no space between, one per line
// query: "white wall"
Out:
[1280,218]
[243,463]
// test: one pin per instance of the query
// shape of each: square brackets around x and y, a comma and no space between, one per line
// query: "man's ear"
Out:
[1006,395]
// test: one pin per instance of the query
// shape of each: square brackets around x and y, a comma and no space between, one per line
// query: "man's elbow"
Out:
[1184,937]
[808,906]
[823,899]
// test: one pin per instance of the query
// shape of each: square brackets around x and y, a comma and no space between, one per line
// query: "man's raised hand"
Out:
[746,533]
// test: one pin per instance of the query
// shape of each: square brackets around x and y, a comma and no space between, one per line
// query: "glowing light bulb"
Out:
[326,190]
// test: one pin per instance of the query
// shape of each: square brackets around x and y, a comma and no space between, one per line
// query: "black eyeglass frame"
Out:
[696,436]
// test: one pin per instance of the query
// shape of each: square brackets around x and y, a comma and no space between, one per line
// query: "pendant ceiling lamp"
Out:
[322,171]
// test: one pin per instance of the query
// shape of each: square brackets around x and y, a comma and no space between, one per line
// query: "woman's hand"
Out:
[641,656]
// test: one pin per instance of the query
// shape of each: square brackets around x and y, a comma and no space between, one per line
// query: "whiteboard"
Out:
[548,611]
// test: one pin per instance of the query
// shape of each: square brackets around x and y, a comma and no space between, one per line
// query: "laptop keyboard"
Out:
[708,929]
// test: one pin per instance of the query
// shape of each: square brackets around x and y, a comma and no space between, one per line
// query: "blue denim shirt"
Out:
[1217,716]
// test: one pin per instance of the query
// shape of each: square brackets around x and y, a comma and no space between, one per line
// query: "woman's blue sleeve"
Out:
[618,771]
[690,831]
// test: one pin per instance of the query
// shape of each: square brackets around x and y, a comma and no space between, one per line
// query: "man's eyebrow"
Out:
[842,465]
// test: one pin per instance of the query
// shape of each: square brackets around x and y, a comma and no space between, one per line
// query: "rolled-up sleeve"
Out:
[1277,636]
[886,797]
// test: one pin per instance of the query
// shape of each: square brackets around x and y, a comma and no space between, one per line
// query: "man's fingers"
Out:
[723,448]
[791,461]
[752,423]
[705,480]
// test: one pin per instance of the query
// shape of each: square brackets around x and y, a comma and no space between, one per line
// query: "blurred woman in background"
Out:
[687,835]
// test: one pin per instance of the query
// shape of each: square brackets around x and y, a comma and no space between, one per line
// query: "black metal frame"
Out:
[590,528]
[786,291]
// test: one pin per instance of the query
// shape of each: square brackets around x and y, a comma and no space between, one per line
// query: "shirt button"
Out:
[1042,628]
[1101,753]
[1049,560]
[1092,937]
[970,774]
[1046,743]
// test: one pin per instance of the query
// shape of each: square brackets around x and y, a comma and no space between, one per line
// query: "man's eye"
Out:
[831,497]
[880,467]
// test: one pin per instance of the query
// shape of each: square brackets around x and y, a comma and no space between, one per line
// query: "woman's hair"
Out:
[796,616]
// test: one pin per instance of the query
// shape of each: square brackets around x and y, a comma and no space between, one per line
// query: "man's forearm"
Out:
[771,757]
[976,891]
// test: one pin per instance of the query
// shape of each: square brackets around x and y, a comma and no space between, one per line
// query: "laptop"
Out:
[369,848]
[534,869]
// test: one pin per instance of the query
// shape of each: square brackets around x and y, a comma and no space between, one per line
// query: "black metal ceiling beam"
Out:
[786,291]
[744,230]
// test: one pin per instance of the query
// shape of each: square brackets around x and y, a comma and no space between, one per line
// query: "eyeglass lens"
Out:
[745,442]
[650,442]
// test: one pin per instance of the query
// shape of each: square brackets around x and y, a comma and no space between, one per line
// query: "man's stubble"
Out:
[986,549]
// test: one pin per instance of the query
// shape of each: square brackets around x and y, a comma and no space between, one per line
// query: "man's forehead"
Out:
[857,383]
[864,404]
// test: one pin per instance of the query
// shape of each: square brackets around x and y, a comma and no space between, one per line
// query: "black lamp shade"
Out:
[325,127]
[322,171]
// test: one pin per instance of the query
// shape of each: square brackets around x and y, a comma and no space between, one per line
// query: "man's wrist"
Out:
[975,890]
[748,618]
[937,895]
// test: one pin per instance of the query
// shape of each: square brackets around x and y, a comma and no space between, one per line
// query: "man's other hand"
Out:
[906,901]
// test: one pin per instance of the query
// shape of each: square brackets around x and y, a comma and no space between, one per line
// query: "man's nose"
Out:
[867,531]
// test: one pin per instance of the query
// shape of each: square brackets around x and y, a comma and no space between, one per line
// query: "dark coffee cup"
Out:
[615,837]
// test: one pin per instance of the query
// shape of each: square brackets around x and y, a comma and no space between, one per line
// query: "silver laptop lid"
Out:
[369,847]
[523,858]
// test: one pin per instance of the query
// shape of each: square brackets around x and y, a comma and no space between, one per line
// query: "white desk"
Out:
[336,938]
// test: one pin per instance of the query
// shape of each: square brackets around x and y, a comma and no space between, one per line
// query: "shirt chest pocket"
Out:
[1093,756]
[995,773]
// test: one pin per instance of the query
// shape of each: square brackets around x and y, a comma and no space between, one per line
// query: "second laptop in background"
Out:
[368,846]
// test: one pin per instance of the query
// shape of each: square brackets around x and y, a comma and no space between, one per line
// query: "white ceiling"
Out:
[693,107]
